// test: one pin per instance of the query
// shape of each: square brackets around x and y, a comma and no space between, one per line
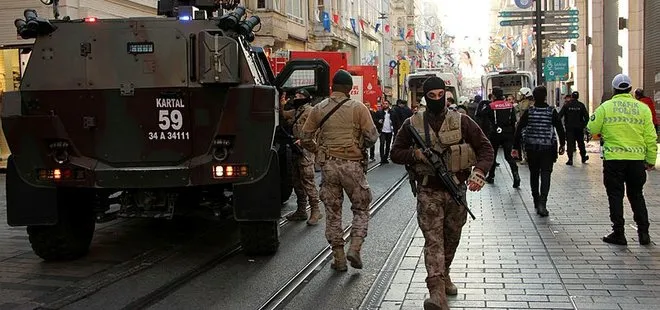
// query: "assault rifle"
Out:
[440,169]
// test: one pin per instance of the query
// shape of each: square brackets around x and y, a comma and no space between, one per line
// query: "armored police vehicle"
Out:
[157,115]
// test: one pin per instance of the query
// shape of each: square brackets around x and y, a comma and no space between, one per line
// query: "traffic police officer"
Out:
[575,117]
[502,116]
[440,218]
[626,126]
[303,162]
[345,130]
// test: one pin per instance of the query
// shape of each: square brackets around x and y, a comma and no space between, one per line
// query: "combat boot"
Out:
[644,237]
[437,299]
[542,210]
[314,216]
[618,236]
[516,179]
[450,287]
[339,259]
[299,215]
[354,252]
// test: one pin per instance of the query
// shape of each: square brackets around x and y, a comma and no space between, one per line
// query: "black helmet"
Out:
[575,95]
[342,77]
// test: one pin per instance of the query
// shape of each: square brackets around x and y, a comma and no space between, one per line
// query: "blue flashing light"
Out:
[184,17]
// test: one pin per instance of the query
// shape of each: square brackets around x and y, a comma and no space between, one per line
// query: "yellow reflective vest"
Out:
[626,126]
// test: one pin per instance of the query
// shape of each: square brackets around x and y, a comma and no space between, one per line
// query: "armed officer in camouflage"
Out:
[344,129]
[303,162]
[463,145]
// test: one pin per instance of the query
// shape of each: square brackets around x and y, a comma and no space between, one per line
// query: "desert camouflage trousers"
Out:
[441,221]
[303,180]
[340,176]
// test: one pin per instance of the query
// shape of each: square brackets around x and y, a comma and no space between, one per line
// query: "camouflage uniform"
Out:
[440,218]
[340,153]
[303,171]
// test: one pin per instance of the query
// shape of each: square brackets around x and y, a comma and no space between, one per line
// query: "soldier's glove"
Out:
[419,156]
[476,180]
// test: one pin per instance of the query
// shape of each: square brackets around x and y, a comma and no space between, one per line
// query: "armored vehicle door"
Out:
[310,74]
[137,82]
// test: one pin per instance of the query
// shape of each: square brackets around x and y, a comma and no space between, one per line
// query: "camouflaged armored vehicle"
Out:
[158,115]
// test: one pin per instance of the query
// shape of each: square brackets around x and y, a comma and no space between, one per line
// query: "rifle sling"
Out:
[325,118]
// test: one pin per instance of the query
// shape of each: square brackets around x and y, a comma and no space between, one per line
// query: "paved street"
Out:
[511,258]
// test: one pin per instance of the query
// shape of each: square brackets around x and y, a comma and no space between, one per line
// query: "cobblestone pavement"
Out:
[511,258]
[25,277]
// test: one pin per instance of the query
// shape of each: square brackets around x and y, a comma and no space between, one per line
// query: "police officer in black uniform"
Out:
[575,117]
[502,117]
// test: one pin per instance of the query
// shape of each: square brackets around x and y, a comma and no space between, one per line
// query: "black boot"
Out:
[542,211]
[490,179]
[644,237]
[585,158]
[516,179]
[617,236]
[536,203]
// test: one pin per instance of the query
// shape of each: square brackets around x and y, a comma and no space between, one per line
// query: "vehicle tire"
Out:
[71,237]
[260,238]
[286,173]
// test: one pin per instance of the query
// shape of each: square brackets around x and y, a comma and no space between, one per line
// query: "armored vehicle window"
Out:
[301,78]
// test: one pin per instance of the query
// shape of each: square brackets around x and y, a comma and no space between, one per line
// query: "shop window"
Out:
[10,69]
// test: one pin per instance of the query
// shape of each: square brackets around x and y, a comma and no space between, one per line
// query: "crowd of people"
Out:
[336,133]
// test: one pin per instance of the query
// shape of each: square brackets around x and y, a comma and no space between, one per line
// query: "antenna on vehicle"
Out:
[55,3]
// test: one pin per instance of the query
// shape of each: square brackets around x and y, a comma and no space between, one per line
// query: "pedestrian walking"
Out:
[344,129]
[575,117]
[384,118]
[626,126]
[440,218]
[303,163]
[538,124]
[639,95]
[502,117]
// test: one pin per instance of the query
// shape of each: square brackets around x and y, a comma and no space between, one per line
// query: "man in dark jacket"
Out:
[575,117]
[384,120]
[539,123]
[502,118]
[400,113]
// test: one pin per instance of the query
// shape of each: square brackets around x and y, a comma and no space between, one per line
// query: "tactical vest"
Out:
[299,119]
[340,135]
[448,141]
[540,131]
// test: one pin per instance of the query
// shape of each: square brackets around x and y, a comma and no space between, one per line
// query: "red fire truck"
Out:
[366,85]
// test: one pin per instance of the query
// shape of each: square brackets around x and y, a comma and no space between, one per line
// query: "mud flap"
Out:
[260,200]
[28,205]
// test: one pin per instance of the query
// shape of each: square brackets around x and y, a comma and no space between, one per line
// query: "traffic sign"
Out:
[560,36]
[517,14]
[524,4]
[562,13]
[556,69]
[560,20]
[517,22]
[558,28]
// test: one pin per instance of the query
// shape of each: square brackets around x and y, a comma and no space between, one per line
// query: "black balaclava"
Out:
[436,106]
[298,102]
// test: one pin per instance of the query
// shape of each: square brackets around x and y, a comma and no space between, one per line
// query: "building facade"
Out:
[617,36]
